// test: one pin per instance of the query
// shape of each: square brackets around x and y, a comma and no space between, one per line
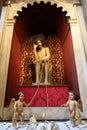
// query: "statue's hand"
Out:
[35,61]
[46,59]
[15,109]
[35,46]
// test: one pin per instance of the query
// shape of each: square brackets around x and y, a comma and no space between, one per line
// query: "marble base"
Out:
[40,113]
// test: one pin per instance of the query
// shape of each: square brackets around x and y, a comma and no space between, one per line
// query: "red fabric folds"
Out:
[51,96]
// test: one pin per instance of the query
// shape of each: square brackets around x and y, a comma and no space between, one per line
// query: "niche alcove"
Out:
[52,22]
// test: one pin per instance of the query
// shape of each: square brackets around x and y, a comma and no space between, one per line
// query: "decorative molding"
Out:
[8,2]
[68,7]
[10,22]
[73,22]
[76,2]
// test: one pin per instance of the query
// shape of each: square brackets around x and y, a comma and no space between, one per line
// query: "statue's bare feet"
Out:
[36,83]
[73,124]
[47,83]
[21,123]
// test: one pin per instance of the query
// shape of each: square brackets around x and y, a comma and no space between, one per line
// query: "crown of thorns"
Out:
[38,37]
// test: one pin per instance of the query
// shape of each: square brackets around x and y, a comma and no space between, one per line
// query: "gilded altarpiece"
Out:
[27,75]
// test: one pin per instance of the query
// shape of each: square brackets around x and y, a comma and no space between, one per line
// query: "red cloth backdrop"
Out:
[51,96]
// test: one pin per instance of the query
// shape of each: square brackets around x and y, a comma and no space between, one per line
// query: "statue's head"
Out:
[39,37]
[71,95]
[21,96]
[38,41]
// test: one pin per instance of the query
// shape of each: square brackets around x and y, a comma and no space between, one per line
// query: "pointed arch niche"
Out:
[51,21]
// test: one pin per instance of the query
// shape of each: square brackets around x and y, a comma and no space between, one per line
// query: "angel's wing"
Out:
[80,105]
[11,104]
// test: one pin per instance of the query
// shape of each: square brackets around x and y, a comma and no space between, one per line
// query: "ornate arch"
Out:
[68,7]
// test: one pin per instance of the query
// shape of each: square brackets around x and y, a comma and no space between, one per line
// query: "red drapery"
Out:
[42,96]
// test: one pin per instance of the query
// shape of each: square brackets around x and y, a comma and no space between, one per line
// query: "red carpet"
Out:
[51,96]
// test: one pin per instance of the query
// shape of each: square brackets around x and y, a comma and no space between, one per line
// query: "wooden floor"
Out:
[46,125]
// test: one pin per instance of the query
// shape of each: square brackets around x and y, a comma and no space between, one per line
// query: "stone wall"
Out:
[84,6]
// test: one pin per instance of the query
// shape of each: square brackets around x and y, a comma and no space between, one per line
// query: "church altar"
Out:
[42,96]
[45,101]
